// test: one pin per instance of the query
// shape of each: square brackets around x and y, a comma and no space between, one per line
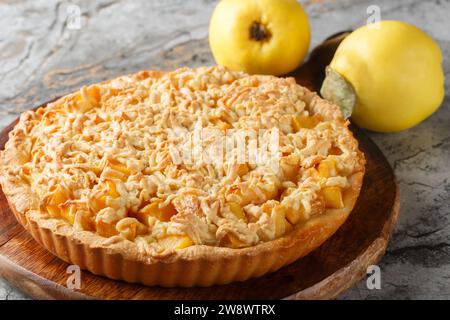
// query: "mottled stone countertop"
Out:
[42,56]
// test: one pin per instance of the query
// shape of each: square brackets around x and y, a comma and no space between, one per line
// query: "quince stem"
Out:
[339,91]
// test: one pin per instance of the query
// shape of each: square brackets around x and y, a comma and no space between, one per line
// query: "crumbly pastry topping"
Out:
[104,159]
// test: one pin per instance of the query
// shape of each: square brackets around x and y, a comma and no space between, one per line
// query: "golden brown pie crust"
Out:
[197,265]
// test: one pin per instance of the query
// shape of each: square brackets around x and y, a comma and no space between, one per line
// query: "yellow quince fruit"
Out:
[390,73]
[259,36]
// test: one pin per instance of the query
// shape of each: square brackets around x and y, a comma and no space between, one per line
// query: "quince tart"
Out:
[97,176]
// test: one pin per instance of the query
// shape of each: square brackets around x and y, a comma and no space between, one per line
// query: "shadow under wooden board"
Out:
[323,274]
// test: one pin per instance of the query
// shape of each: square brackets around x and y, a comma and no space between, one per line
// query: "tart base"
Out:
[193,266]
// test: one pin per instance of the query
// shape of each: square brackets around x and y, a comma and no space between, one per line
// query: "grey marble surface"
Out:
[43,56]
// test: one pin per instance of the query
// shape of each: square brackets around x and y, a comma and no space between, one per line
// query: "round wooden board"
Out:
[323,274]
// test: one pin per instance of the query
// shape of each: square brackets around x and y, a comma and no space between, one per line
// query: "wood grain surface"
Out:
[332,268]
